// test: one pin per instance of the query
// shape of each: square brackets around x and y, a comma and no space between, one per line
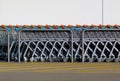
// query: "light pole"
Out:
[103,12]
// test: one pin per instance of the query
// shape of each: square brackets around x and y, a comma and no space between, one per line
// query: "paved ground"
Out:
[59,71]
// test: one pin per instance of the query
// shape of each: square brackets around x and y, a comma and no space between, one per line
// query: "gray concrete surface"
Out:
[32,76]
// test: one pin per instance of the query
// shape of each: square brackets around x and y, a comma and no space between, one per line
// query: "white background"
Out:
[59,11]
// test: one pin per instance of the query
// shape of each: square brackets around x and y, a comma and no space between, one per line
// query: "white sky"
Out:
[58,11]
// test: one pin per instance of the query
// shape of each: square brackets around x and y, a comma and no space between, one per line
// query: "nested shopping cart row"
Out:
[38,43]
